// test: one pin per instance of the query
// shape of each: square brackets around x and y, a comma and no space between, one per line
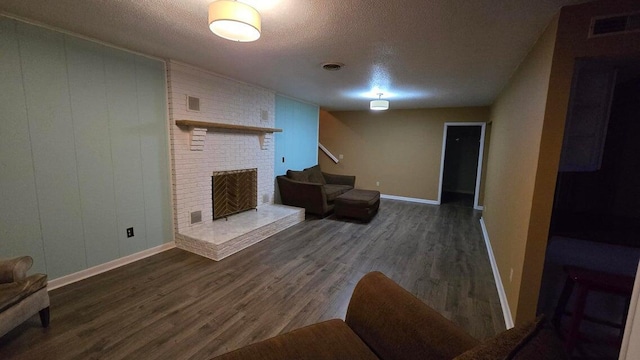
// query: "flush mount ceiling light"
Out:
[234,20]
[379,104]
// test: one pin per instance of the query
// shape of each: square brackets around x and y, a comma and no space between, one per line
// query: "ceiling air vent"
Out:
[617,24]
[332,66]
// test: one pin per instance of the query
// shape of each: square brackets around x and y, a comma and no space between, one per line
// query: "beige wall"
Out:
[517,119]
[528,124]
[399,148]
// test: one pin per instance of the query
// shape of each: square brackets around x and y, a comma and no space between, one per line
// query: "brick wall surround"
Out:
[222,100]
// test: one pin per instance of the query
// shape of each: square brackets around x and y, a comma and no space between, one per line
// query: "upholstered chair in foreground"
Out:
[384,321]
[21,296]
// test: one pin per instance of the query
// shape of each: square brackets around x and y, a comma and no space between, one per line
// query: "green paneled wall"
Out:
[91,132]
[84,150]
[20,233]
[46,90]
[152,91]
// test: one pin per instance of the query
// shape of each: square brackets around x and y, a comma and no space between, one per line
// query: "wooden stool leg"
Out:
[576,318]
[562,303]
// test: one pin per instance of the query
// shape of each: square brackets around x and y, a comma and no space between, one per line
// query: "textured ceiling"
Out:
[419,53]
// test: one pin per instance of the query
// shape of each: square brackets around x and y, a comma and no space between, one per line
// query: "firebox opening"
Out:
[234,191]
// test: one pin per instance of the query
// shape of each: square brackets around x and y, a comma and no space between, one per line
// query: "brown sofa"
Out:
[312,189]
[384,321]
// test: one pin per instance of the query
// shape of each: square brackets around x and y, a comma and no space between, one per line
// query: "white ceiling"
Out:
[419,53]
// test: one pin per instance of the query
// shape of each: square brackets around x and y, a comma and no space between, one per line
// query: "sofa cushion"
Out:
[333,191]
[358,197]
[534,340]
[315,175]
[331,339]
[396,325]
[298,175]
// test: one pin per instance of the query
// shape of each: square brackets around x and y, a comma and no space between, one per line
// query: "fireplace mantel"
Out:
[198,130]
[211,125]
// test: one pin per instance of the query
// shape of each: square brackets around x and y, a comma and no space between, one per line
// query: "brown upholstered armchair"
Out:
[21,296]
[384,321]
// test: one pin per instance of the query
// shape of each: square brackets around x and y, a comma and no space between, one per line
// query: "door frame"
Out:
[483,127]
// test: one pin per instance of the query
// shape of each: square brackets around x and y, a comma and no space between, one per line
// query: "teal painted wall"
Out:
[298,143]
[83,150]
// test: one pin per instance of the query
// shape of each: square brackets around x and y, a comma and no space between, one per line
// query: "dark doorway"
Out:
[461,165]
[596,214]
[603,204]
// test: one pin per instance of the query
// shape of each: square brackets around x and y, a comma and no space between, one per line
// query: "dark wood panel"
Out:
[177,305]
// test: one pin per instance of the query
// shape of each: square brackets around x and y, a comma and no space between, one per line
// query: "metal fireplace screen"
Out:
[234,191]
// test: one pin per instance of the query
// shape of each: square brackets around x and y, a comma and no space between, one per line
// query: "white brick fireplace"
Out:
[196,154]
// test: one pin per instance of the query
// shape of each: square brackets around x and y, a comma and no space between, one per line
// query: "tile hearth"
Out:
[221,238]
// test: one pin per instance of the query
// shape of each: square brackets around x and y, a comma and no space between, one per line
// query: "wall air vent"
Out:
[193,103]
[196,217]
[617,24]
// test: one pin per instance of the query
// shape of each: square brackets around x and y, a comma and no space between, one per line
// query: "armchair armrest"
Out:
[12,270]
[311,196]
[339,179]
[397,325]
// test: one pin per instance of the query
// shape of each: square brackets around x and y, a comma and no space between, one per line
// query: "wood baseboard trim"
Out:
[506,311]
[409,199]
[98,269]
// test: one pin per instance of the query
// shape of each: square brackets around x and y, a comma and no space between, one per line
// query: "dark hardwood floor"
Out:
[177,305]
[456,198]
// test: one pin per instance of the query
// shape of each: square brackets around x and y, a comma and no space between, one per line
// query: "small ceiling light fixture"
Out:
[379,104]
[234,20]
